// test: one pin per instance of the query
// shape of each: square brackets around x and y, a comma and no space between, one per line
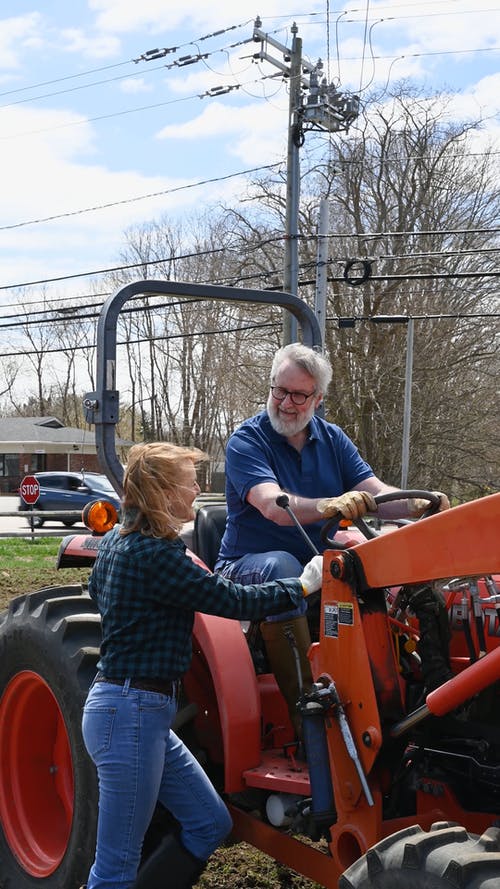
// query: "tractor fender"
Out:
[222,644]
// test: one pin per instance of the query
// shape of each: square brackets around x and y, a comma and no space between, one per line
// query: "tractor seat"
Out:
[209,526]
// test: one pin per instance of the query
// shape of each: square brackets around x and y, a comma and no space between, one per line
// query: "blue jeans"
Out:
[140,761]
[261,567]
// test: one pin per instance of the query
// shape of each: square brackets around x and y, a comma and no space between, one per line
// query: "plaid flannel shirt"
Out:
[147,591]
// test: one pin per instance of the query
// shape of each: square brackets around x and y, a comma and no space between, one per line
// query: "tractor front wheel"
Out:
[49,646]
[444,857]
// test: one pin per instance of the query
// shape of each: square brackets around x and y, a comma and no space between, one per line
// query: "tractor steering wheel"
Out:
[367,530]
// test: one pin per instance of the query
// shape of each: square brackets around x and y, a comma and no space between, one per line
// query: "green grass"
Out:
[27,565]
[14,547]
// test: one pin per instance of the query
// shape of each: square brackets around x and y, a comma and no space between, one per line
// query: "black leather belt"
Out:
[161,686]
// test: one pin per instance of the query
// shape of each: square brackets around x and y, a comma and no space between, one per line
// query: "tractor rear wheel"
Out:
[443,858]
[49,646]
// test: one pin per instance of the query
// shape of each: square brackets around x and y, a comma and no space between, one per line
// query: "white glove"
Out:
[351,505]
[418,505]
[311,575]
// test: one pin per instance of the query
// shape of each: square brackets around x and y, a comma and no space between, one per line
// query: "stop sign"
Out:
[29,489]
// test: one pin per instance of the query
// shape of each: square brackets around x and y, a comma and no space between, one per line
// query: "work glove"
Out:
[351,505]
[418,505]
[311,575]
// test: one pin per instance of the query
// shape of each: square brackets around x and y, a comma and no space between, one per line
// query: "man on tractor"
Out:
[289,448]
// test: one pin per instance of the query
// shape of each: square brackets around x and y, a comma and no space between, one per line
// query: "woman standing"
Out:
[147,590]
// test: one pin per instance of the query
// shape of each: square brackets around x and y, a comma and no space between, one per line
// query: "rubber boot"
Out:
[170,865]
[283,660]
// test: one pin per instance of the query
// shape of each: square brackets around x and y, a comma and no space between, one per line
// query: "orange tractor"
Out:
[397,780]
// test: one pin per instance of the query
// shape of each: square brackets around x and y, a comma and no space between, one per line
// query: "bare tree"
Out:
[418,209]
[190,363]
[414,208]
[9,374]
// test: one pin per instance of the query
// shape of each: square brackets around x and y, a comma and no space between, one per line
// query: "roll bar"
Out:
[102,406]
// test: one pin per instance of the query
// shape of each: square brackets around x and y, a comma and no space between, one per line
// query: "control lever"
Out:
[283,500]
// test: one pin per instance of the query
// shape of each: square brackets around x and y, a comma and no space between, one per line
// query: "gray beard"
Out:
[291,428]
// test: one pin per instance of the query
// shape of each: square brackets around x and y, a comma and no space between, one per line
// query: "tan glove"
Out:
[311,575]
[418,505]
[351,505]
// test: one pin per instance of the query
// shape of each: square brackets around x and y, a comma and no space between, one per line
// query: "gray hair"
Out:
[314,363]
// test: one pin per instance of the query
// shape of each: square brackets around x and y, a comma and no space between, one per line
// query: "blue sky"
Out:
[85,126]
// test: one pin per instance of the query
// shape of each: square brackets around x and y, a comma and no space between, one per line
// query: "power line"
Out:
[151,54]
[142,197]
[75,89]
[142,263]
[83,120]
[171,336]
[427,15]
[276,238]
[209,94]
[175,64]
[33,318]
[423,233]
[174,189]
[459,316]
[22,89]
[81,74]
[54,299]
[117,268]
[219,91]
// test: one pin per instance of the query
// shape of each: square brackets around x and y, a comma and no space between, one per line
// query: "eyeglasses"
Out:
[194,487]
[296,397]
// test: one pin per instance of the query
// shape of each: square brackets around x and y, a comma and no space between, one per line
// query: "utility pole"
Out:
[291,268]
[322,265]
[326,109]
[405,455]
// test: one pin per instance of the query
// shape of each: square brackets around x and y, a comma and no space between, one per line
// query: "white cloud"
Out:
[53,136]
[49,176]
[101,46]
[480,102]
[15,34]
[136,86]
[128,15]
[254,133]
[486,93]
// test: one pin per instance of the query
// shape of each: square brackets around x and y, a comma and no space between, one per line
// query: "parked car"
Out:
[71,491]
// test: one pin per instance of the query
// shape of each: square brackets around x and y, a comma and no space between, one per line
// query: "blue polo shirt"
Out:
[328,465]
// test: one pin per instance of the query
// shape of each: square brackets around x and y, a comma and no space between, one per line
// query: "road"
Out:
[17,525]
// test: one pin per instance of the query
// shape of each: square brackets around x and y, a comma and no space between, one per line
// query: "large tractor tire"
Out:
[446,857]
[49,646]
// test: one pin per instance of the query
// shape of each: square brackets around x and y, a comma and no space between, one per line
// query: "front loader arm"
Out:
[460,542]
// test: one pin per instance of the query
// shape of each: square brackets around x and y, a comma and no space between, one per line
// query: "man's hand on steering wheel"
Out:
[352,505]
[421,504]
[418,505]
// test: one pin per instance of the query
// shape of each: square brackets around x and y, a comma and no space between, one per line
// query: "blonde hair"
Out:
[149,484]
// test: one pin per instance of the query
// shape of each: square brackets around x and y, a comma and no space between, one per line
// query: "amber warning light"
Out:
[100,516]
